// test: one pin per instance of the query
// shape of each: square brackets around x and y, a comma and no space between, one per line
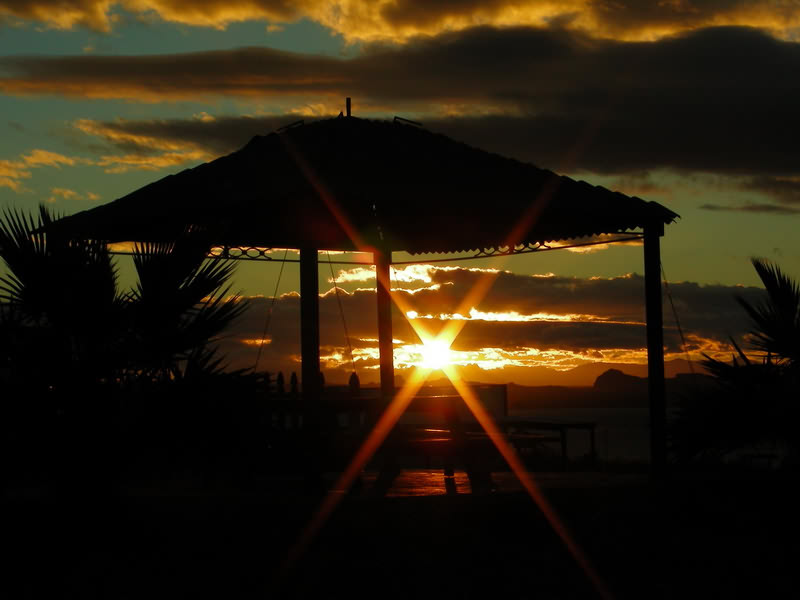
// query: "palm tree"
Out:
[756,397]
[61,292]
[776,320]
[180,305]
[62,296]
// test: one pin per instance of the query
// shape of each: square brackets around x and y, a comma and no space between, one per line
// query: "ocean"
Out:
[622,434]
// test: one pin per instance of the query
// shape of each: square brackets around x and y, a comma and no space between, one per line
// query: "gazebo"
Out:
[352,184]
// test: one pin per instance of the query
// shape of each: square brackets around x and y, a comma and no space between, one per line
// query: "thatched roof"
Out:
[388,184]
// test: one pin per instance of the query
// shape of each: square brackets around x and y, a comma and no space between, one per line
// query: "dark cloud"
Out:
[214,136]
[785,189]
[574,337]
[707,310]
[243,72]
[719,100]
[708,314]
[772,209]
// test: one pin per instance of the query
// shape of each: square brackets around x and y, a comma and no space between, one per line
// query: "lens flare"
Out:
[437,352]
[435,355]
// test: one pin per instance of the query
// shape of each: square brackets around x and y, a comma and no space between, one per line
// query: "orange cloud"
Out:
[401,20]
[595,243]
[219,14]
[118,135]
[58,14]
[139,162]
[12,172]
[416,273]
[45,158]
[58,193]
[527,329]
[140,149]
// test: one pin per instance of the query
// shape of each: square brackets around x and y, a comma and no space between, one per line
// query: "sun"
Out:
[435,354]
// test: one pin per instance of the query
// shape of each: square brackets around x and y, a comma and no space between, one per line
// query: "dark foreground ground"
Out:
[696,537]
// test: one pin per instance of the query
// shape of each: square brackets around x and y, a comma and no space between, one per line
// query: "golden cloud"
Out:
[595,243]
[62,14]
[57,194]
[526,324]
[45,158]
[401,20]
[13,171]
[117,134]
[584,105]
[138,162]
[141,148]
[416,273]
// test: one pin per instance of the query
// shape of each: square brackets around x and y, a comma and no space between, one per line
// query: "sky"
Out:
[692,104]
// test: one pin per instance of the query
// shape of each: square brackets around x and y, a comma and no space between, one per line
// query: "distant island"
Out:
[611,389]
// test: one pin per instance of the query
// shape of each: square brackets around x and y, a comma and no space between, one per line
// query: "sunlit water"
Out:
[432,482]
[423,482]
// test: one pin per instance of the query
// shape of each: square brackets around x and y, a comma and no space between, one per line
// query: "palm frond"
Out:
[181,302]
[775,321]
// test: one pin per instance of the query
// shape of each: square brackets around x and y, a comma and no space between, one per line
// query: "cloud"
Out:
[401,20]
[12,172]
[137,150]
[595,243]
[551,320]
[62,194]
[153,78]
[211,135]
[144,155]
[125,139]
[628,19]
[58,193]
[138,162]
[402,274]
[45,158]
[94,14]
[784,189]
[766,208]
[717,101]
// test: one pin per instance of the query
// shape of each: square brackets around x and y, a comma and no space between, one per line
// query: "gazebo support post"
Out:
[655,349]
[383,261]
[309,326]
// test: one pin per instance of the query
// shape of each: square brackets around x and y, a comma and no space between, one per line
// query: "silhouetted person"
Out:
[321,381]
[280,386]
[293,384]
[355,384]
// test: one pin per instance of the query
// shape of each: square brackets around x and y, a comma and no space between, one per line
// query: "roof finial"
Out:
[347,104]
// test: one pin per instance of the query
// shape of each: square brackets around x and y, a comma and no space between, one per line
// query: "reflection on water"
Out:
[422,482]
[431,482]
